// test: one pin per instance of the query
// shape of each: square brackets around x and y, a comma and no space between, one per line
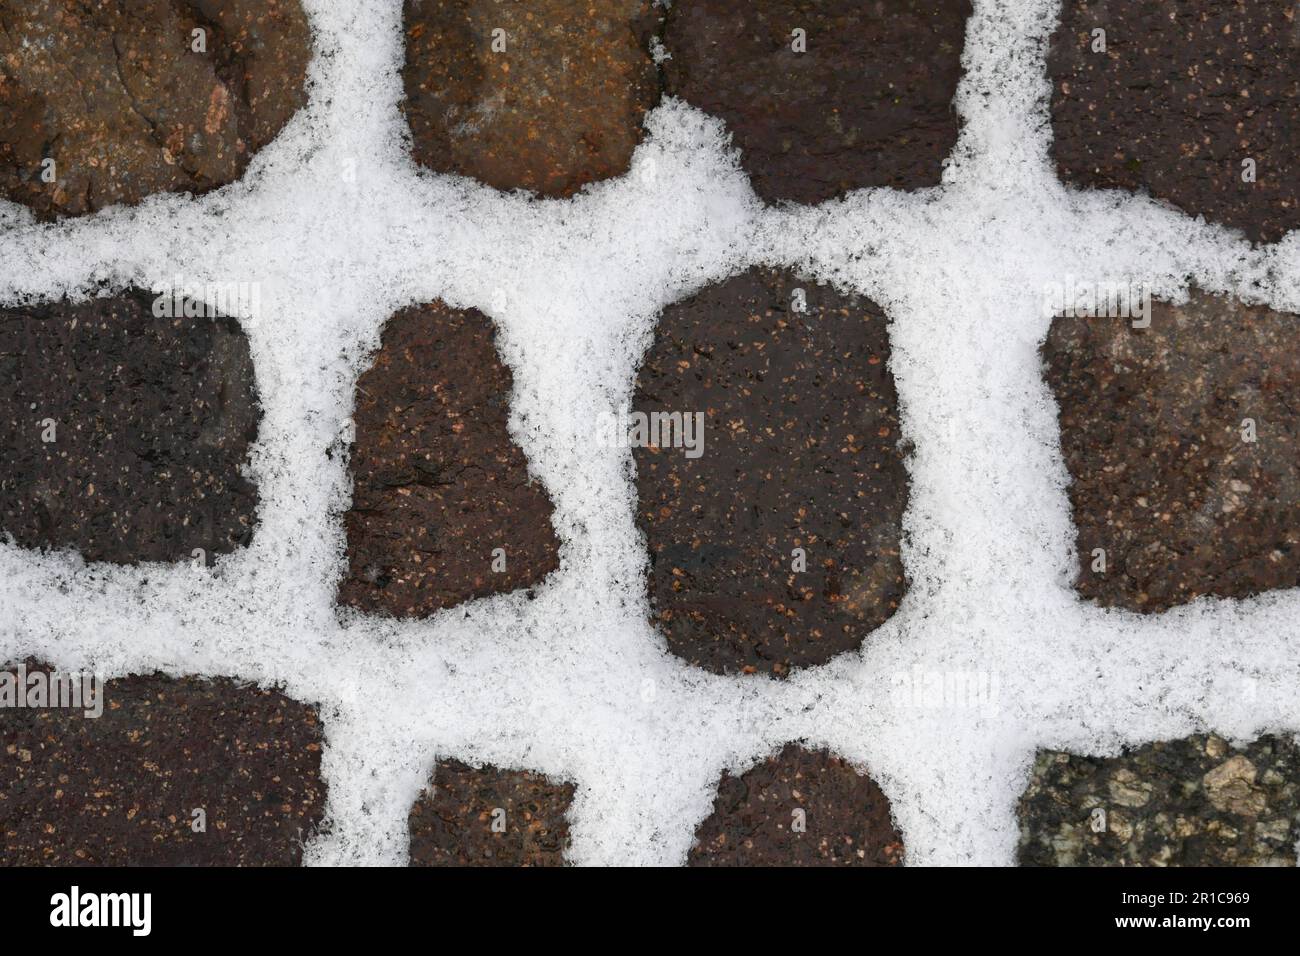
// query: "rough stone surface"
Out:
[868,104]
[438,483]
[458,820]
[845,816]
[1192,802]
[120,789]
[117,97]
[801,450]
[561,106]
[1162,478]
[152,417]
[1183,93]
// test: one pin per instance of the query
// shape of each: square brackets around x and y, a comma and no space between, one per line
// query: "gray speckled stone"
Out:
[1192,802]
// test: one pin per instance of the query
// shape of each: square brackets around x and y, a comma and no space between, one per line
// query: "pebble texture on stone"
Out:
[117,96]
[868,102]
[123,435]
[538,95]
[484,816]
[439,485]
[1192,802]
[1182,95]
[798,808]
[800,451]
[1164,477]
[121,789]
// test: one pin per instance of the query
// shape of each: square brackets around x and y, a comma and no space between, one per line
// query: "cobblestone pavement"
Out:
[805,434]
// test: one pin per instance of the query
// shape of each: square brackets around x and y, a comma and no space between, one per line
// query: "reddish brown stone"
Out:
[798,808]
[869,103]
[801,450]
[472,816]
[561,106]
[121,789]
[115,94]
[438,483]
[149,422]
[1162,479]
[1182,94]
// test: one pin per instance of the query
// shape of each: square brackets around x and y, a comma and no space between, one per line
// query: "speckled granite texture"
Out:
[868,102]
[1182,94]
[439,485]
[117,96]
[1192,802]
[121,789]
[153,418]
[801,450]
[556,105]
[798,808]
[1164,478]
[484,816]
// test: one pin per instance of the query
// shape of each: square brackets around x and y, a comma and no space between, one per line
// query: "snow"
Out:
[340,230]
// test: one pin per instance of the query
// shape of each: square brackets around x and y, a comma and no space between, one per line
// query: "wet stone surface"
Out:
[1192,802]
[485,816]
[538,96]
[439,485]
[121,789]
[1183,447]
[1182,95]
[800,450]
[117,96]
[799,808]
[123,435]
[868,102]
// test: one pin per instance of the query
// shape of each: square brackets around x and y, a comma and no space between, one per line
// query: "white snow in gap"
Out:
[577,684]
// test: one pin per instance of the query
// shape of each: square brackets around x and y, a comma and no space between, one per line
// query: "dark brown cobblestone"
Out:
[152,419]
[120,789]
[801,450]
[1184,92]
[439,485]
[756,820]
[869,103]
[1164,478]
[483,816]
